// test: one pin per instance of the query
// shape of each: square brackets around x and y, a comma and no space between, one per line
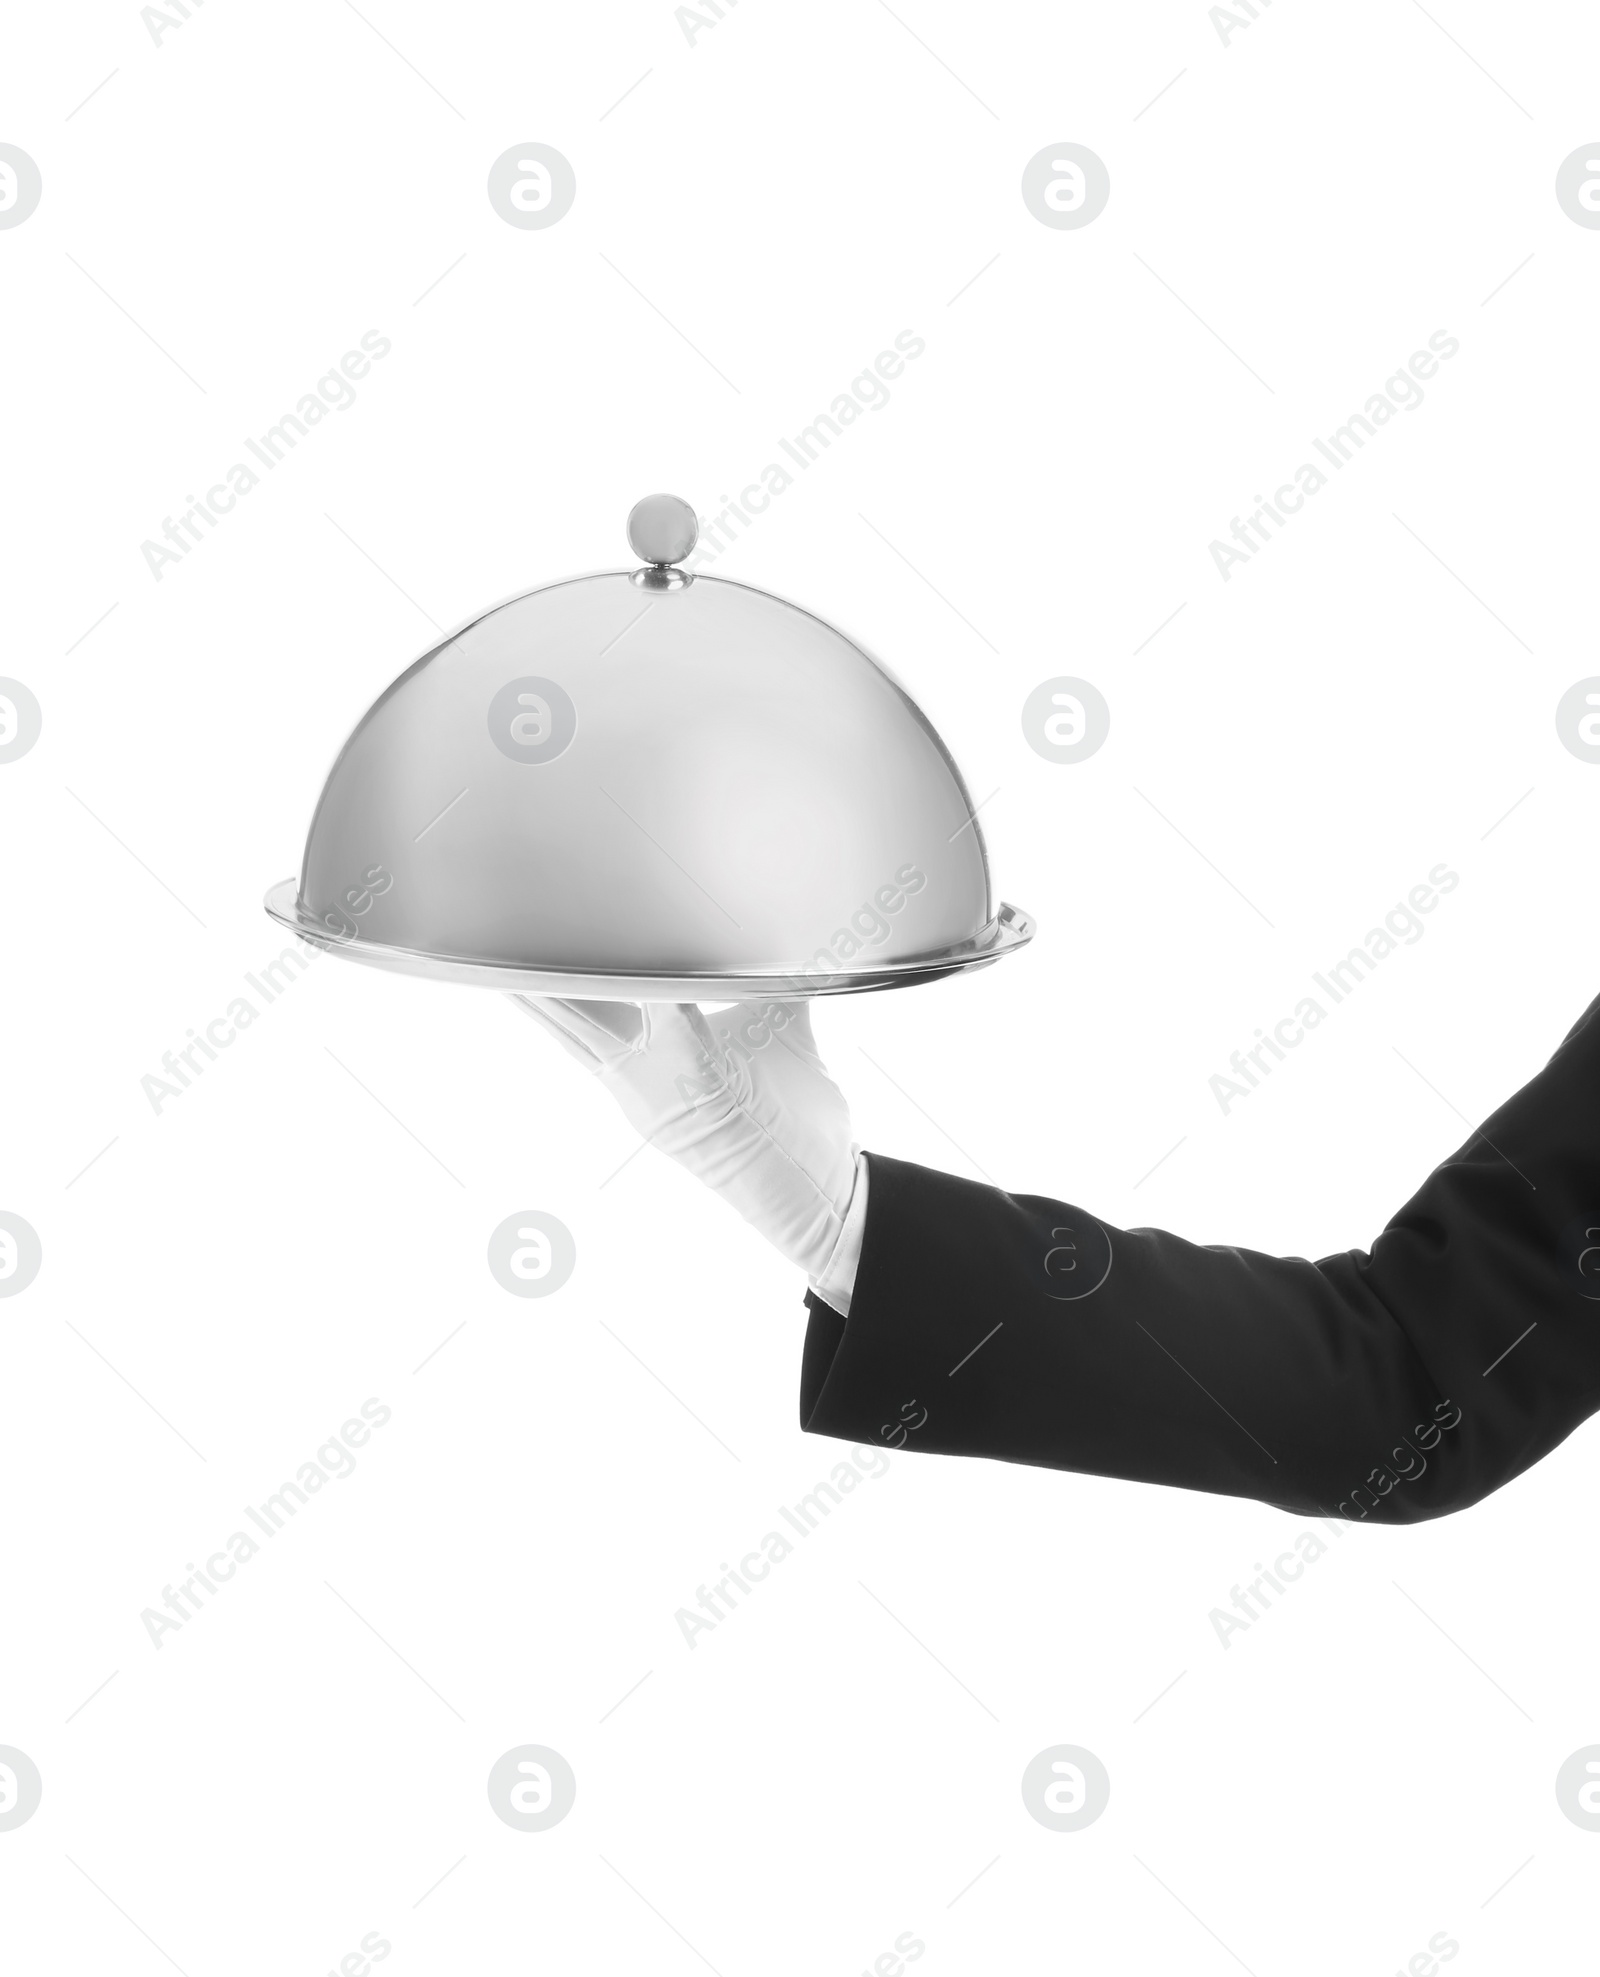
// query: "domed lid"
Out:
[652,785]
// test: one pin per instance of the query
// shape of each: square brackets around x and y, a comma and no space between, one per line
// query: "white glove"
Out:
[742,1100]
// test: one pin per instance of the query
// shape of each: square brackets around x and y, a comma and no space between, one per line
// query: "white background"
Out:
[229,1280]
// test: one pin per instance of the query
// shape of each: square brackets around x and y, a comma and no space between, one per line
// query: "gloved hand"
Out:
[742,1100]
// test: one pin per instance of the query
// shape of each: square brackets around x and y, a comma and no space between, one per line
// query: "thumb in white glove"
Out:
[742,1100]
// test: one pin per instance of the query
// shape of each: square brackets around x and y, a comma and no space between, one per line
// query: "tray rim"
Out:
[1011,928]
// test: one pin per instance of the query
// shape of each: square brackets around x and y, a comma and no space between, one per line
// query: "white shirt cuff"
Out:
[838,1279]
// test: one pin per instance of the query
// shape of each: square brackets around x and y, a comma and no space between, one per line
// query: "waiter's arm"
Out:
[1395,1385]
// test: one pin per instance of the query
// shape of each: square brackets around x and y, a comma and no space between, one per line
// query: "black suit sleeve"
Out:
[1396,1385]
